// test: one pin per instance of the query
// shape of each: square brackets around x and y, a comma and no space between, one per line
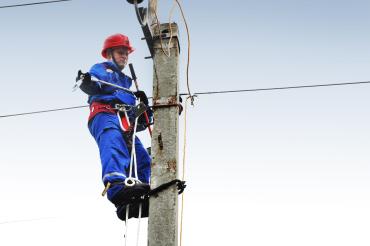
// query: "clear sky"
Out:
[264,168]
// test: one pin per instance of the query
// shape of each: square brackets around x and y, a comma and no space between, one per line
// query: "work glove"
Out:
[142,122]
[86,85]
[86,78]
[142,96]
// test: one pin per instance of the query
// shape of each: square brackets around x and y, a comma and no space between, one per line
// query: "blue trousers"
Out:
[114,153]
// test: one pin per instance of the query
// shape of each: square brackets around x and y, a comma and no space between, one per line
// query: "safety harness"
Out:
[99,107]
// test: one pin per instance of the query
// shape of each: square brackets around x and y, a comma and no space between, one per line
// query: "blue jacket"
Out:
[107,71]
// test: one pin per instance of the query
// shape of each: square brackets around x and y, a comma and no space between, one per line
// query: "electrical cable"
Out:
[43,111]
[278,88]
[206,93]
[160,35]
[169,21]
[36,3]
[24,220]
[168,53]
[188,61]
[183,168]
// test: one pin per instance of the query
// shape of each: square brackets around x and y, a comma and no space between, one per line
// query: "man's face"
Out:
[120,55]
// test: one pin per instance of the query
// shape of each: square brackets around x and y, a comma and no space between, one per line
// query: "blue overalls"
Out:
[106,130]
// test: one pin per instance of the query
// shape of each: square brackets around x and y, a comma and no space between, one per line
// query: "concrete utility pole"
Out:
[163,209]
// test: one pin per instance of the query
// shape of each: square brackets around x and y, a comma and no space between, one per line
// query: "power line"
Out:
[205,93]
[279,88]
[28,4]
[42,111]
[25,220]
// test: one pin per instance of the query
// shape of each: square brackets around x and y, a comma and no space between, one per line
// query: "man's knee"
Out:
[110,135]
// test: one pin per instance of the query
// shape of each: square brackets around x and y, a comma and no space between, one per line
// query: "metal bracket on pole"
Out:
[142,16]
[148,37]
[167,103]
[165,100]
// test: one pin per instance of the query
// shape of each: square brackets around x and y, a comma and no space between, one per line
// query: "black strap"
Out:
[154,192]
[180,187]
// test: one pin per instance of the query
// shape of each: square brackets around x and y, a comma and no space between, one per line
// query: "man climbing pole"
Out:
[112,119]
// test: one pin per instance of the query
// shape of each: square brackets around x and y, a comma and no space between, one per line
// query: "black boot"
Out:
[129,194]
[133,210]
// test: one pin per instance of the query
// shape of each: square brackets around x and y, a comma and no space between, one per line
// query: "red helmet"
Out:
[116,40]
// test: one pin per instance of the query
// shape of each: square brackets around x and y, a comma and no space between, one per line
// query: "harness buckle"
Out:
[122,107]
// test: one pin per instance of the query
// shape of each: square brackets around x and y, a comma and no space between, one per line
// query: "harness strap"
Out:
[99,107]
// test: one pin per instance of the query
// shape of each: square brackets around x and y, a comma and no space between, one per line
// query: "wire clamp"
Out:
[167,103]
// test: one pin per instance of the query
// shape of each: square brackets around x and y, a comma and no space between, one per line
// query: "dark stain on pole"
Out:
[160,142]
[171,166]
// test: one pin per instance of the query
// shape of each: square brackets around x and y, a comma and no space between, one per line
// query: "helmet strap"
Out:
[110,53]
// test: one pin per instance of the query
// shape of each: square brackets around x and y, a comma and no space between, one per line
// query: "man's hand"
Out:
[142,96]
[86,78]
[87,85]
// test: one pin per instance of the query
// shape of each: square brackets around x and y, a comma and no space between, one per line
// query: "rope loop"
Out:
[131,181]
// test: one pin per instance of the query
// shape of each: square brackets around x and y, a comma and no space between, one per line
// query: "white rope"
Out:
[133,160]
[138,226]
[133,165]
[133,152]
[126,223]
[133,157]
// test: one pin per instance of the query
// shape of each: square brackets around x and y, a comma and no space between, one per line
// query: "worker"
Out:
[112,123]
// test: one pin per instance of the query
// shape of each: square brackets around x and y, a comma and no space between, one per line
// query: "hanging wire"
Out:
[188,60]
[168,53]
[28,4]
[183,168]
[160,35]
[25,220]
[280,88]
[206,93]
[169,21]
[42,111]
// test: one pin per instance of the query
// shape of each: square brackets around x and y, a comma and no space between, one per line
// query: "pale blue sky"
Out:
[263,168]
